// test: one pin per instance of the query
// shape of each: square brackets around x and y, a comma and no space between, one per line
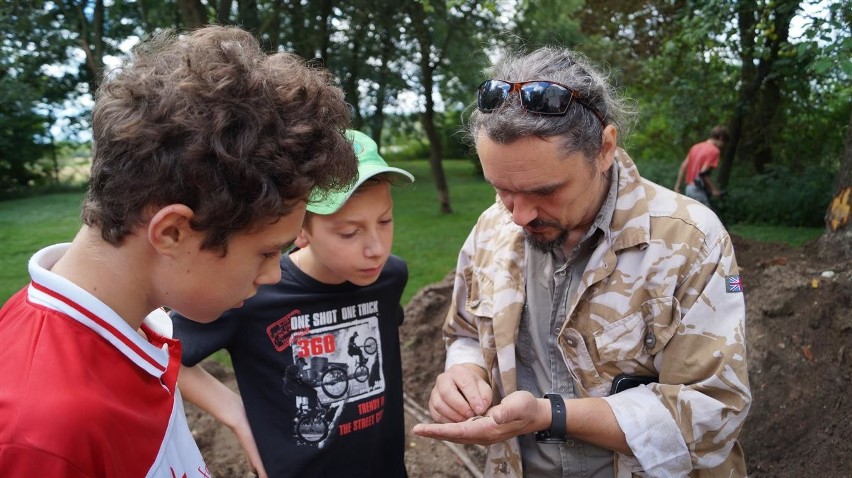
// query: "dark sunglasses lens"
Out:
[492,94]
[545,98]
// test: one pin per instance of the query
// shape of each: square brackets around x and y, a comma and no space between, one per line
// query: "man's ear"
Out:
[169,228]
[609,142]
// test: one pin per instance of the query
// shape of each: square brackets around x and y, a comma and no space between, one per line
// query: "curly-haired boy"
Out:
[206,149]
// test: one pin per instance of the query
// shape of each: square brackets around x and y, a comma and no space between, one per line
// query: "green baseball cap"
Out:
[369,164]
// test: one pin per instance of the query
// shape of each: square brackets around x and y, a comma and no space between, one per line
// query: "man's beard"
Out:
[541,244]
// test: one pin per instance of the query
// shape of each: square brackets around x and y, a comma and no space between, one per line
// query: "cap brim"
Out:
[329,202]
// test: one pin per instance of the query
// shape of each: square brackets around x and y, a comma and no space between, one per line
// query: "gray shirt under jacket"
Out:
[552,279]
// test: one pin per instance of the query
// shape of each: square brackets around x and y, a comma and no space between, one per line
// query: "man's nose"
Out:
[523,211]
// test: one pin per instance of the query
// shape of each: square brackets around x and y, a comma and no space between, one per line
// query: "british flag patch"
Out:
[733,284]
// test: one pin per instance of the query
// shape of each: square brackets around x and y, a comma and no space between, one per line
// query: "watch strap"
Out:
[557,433]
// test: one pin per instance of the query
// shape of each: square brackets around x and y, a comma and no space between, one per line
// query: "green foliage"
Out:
[818,122]
[710,49]
[28,42]
[21,128]
[681,60]
[781,196]
[408,149]
[405,140]
[683,91]
[546,23]
[816,89]
[458,34]
[663,173]
[453,139]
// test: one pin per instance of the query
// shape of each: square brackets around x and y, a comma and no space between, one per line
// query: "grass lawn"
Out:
[795,236]
[27,225]
[428,240]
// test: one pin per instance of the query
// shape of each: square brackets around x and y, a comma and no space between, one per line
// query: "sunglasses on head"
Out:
[537,96]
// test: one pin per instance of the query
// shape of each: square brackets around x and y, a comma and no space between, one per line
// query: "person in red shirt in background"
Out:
[698,165]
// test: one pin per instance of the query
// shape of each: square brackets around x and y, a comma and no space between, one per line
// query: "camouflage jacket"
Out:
[661,295]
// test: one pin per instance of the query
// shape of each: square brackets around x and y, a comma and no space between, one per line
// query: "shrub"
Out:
[780,196]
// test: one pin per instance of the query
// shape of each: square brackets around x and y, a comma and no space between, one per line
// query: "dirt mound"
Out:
[799,310]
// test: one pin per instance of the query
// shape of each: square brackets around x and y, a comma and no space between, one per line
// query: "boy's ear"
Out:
[169,228]
[302,239]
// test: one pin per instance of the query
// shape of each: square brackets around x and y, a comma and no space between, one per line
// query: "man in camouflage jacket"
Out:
[659,296]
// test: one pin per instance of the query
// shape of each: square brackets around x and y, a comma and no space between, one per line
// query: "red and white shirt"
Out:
[82,394]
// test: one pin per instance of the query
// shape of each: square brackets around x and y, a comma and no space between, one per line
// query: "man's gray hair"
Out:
[580,128]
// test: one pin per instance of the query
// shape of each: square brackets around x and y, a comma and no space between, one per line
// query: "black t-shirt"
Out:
[316,407]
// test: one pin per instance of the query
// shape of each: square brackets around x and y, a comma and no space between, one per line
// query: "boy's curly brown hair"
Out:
[207,119]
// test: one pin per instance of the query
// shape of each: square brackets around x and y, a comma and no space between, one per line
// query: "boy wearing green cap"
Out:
[317,355]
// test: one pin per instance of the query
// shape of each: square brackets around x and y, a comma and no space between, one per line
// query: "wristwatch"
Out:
[557,433]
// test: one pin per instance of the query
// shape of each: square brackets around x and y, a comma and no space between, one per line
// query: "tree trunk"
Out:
[771,101]
[377,122]
[299,34]
[436,158]
[759,149]
[746,20]
[325,31]
[836,242]
[427,118]
[54,160]
[223,12]
[192,13]
[270,29]
[752,80]
[247,16]
[383,80]
[350,84]
[90,38]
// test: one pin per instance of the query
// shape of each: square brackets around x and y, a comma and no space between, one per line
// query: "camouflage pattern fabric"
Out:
[656,298]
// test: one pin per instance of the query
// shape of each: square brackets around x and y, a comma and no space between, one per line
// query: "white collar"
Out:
[55,292]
